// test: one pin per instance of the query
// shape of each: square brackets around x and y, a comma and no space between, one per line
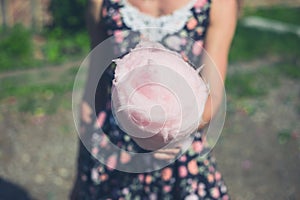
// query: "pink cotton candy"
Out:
[157,96]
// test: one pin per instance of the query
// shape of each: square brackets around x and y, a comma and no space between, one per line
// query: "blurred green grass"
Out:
[15,48]
[63,47]
[258,82]
[289,15]
[18,48]
[250,43]
[37,97]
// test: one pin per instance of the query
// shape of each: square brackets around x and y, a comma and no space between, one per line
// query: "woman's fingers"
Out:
[162,156]
[166,154]
[170,151]
[86,112]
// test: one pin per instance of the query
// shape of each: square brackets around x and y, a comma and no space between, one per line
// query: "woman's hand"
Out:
[167,154]
[86,112]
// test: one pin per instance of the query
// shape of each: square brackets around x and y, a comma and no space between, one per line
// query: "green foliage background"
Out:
[68,14]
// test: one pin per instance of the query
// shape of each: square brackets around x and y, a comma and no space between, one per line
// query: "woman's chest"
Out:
[183,30]
[189,16]
[158,8]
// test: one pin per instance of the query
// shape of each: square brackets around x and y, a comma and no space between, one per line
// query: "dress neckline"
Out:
[188,6]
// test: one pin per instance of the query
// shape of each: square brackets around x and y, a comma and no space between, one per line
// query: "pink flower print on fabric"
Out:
[197,146]
[148,179]
[112,162]
[118,36]
[104,141]
[125,157]
[141,178]
[182,170]
[210,178]
[192,23]
[218,176]
[100,120]
[183,158]
[117,18]
[200,3]
[191,197]
[167,188]
[201,190]
[104,12]
[193,167]
[95,151]
[197,48]
[95,175]
[166,174]
[215,193]
[194,186]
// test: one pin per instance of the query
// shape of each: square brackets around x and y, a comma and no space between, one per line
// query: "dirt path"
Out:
[50,69]
[257,161]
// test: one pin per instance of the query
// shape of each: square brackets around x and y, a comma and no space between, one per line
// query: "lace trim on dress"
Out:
[155,28]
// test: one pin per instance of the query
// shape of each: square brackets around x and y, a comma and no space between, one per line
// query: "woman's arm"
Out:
[97,35]
[93,19]
[223,17]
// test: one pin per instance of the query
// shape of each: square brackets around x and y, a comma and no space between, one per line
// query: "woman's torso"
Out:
[158,8]
[180,26]
[182,30]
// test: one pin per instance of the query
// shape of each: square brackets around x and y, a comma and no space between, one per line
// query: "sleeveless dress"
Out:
[189,177]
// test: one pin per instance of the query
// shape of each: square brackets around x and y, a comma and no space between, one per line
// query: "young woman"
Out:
[209,21]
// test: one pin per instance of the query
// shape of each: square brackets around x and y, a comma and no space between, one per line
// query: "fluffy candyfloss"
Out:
[157,97]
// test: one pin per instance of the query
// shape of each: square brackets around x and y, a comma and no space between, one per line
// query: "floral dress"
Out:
[189,177]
